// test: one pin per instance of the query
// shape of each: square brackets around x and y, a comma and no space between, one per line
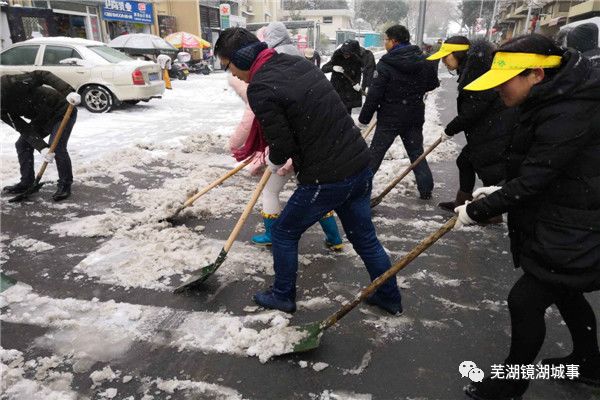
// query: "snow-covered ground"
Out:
[181,139]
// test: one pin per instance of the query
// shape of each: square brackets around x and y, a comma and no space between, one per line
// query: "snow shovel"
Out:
[36,185]
[172,218]
[376,200]
[202,274]
[313,332]
[369,130]
[362,91]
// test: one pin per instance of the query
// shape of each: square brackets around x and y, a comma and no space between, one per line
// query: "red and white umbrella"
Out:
[187,40]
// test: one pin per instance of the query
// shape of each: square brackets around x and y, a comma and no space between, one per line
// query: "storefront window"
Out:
[70,25]
[34,27]
[95,28]
[118,28]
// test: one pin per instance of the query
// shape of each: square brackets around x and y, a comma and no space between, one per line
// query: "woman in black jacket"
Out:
[482,116]
[552,196]
[346,68]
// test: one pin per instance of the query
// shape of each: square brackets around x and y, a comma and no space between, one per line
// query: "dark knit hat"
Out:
[244,57]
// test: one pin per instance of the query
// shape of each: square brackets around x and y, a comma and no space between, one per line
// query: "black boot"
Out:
[589,367]
[62,192]
[461,198]
[497,389]
[19,188]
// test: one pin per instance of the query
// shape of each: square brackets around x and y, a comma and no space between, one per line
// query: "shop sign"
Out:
[129,11]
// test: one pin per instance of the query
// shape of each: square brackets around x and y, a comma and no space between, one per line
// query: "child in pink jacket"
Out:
[270,195]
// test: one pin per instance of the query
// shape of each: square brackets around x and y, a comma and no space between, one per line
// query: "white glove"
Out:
[47,156]
[485,191]
[337,68]
[357,87]
[445,137]
[274,167]
[463,218]
[73,98]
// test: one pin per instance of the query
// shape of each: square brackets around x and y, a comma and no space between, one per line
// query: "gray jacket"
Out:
[278,38]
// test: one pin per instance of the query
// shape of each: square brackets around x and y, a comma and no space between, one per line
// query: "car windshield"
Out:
[109,54]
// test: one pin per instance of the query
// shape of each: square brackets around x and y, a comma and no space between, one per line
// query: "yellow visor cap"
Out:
[446,49]
[508,65]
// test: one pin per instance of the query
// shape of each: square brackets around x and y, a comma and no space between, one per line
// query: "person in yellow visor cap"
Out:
[482,116]
[552,196]
[449,48]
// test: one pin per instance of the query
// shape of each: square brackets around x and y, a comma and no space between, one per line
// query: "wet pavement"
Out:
[454,299]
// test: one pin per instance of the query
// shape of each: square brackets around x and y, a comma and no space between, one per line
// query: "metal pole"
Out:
[493,21]
[421,22]
[481,9]
[525,28]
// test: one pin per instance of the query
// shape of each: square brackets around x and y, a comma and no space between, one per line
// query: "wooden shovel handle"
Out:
[248,209]
[362,91]
[403,262]
[216,183]
[397,180]
[369,130]
[54,143]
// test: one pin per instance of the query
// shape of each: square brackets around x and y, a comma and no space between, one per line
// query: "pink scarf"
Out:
[256,141]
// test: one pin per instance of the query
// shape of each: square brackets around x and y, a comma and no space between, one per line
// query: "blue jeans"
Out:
[350,199]
[412,138]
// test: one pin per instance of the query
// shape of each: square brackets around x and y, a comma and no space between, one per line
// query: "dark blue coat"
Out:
[403,76]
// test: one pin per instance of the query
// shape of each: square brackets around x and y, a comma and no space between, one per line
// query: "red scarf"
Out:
[256,140]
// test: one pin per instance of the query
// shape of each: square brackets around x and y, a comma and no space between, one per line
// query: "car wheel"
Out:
[97,99]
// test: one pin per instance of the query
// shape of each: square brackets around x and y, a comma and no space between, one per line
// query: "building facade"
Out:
[521,17]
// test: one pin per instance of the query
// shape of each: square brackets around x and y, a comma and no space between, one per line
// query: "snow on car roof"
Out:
[65,40]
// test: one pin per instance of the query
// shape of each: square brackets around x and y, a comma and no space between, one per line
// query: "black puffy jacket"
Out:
[303,118]
[368,67]
[483,117]
[39,96]
[396,93]
[552,193]
[352,68]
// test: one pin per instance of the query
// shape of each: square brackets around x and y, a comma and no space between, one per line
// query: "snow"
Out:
[320,366]
[49,383]
[102,331]
[31,245]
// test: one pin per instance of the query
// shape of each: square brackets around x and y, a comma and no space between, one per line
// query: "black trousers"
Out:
[527,302]
[62,159]
[466,172]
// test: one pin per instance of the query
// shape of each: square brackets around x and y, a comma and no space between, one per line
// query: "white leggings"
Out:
[270,194]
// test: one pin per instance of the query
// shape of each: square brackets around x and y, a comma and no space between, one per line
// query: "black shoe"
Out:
[392,306]
[448,206]
[589,367]
[62,192]
[425,196]
[497,389]
[19,188]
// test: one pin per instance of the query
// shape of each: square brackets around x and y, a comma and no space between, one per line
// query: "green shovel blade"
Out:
[203,273]
[6,282]
[312,337]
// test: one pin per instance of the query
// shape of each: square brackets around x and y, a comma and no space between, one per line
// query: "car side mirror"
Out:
[73,61]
